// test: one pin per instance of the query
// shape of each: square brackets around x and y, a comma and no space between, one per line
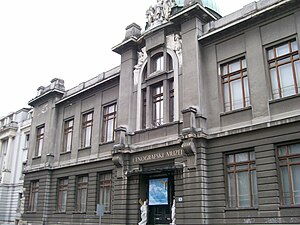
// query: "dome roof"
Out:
[211,4]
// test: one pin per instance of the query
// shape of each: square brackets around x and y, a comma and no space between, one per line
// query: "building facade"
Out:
[14,140]
[200,124]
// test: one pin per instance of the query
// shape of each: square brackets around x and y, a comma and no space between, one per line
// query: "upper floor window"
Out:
[87,124]
[157,105]
[235,85]
[241,179]
[82,193]
[39,141]
[62,195]
[68,135]
[109,122]
[289,162]
[171,100]
[284,66]
[105,191]
[26,143]
[33,196]
[158,63]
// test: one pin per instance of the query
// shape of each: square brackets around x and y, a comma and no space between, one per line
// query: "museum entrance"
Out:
[160,198]
[158,189]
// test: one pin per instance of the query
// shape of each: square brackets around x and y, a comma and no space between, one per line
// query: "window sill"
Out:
[65,153]
[240,209]
[85,148]
[56,212]
[289,206]
[31,212]
[158,127]
[155,74]
[36,157]
[284,98]
[75,212]
[235,111]
[106,143]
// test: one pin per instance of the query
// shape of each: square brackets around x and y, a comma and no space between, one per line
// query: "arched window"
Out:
[158,91]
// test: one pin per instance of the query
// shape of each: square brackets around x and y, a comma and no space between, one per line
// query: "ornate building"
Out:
[200,124]
[14,137]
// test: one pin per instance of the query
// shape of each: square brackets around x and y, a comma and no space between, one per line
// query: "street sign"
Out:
[100,210]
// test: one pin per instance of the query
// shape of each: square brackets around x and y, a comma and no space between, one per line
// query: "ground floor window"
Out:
[82,192]
[33,196]
[241,179]
[289,162]
[62,195]
[105,191]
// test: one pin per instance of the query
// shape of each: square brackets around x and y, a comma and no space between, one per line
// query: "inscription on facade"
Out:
[157,156]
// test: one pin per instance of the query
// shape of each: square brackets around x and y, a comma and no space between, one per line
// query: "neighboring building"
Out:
[203,112]
[14,140]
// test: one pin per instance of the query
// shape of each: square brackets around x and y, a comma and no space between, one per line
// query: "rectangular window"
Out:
[68,135]
[284,66]
[82,192]
[105,191]
[87,125]
[157,105]
[159,63]
[62,195]
[171,100]
[241,179]
[289,161]
[39,141]
[109,122]
[33,196]
[144,113]
[235,85]
[26,143]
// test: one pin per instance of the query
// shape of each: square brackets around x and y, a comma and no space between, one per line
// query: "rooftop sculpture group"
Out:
[159,13]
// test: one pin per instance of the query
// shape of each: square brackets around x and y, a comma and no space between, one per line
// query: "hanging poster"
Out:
[158,191]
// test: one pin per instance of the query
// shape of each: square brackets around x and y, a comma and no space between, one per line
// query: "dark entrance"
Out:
[160,197]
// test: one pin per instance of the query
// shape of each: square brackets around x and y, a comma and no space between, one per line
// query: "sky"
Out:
[68,39]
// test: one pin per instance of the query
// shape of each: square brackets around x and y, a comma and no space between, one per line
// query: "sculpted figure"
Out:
[173,213]
[150,16]
[159,10]
[144,212]
[167,7]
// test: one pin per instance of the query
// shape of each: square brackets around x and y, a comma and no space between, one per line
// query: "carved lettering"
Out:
[156,156]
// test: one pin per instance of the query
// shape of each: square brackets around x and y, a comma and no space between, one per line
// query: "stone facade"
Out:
[198,125]
[14,136]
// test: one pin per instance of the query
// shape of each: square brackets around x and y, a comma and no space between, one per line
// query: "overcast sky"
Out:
[67,39]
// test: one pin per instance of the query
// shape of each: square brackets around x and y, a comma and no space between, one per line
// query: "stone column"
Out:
[6,171]
[1,158]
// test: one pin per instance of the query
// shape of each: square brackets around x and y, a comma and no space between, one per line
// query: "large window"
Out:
[158,63]
[109,122]
[171,100]
[284,68]
[39,141]
[289,161]
[241,179]
[33,196]
[105,191]
[144,109]
[82,192]
[62,195]
[87,124]
[235,85]
[68,135]
[157,105]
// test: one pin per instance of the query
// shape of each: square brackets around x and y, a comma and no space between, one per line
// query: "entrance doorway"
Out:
[160,198]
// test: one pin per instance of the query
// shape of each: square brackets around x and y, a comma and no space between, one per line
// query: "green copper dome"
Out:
[211,4]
